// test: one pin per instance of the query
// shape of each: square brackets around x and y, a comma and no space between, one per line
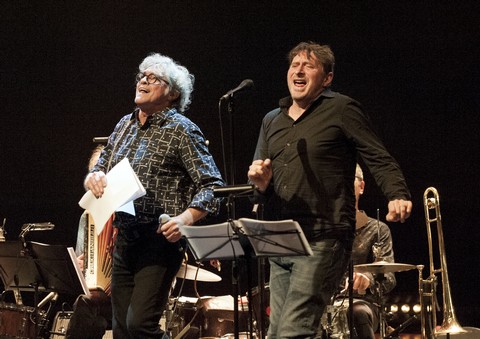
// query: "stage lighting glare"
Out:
[405,308]
[417,308]
[394,308]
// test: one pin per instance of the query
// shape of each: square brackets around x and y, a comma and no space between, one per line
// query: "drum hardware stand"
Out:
[187,327]
[379,278]
[401,327]
[351,328]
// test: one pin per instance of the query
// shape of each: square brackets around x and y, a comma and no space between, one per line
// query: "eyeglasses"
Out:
[152,79]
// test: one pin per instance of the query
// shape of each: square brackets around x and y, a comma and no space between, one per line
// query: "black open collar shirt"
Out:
[314,159]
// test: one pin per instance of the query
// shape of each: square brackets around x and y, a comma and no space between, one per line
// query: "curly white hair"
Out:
[178,76]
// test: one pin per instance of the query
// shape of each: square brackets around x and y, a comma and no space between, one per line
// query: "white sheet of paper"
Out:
[123,186]
[127,208]
[81,277]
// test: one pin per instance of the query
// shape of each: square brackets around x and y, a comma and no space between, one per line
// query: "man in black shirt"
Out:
[303,169]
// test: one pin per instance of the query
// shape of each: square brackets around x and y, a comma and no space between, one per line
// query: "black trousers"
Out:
[144,267]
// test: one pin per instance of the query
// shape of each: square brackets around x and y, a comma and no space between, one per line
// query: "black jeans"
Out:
[144,266]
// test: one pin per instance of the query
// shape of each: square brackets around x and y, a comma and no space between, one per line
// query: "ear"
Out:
[361,187]
[173,95]
[328,80]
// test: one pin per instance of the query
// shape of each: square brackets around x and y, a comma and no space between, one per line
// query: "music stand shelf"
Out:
[228,240]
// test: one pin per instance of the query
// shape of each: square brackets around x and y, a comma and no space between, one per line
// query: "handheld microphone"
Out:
[164,218]
[245,84]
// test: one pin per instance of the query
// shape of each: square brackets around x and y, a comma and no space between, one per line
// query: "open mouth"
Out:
[299,83]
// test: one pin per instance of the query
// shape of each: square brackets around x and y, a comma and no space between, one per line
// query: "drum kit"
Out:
[203,317]
[206,317]
[19,321]
[212,317]
[334,321]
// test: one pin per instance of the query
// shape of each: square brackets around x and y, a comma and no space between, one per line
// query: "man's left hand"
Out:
[399,210]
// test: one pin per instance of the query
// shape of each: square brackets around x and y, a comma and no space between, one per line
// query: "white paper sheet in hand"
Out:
[123,186]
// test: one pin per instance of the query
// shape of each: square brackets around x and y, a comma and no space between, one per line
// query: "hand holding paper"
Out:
[123,187]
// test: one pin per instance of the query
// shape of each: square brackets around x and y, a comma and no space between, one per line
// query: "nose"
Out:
[299,70]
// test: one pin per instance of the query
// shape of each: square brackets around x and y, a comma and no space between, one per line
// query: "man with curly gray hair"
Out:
[169,154]
[178,78]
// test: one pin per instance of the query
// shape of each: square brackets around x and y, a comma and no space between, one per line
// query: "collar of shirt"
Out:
[157,118]
[287,101]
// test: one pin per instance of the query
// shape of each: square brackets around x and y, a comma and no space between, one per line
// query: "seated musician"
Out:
[365,313]
[92,316]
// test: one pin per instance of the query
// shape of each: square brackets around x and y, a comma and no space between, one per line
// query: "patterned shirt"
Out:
[372,233]
[366,236]
[171,159]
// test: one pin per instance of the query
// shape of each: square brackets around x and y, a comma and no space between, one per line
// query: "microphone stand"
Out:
[261,267]
[232,139]
[229,98]
[231,212]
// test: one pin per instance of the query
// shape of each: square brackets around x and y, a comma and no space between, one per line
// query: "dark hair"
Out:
[323,53]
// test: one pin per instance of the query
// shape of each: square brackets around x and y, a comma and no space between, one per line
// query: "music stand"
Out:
[40,267]
[32,266]
[275,238]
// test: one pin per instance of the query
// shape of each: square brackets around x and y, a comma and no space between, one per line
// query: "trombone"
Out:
[427,287]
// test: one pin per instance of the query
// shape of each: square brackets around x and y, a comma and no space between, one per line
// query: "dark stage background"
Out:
[67,75]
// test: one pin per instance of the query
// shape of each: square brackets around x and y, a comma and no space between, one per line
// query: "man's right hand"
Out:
[360,282]
[96,183]
[260,173]
[80,260]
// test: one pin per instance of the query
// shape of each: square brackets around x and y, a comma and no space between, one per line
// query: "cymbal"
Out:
[189,272]
[383,267]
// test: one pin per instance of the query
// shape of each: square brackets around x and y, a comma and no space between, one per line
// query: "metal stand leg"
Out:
[379,278]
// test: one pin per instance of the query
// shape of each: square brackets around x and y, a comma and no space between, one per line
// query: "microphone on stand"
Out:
[244,85]
[52,296]
[225,191]
[100,140]
[40,226]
